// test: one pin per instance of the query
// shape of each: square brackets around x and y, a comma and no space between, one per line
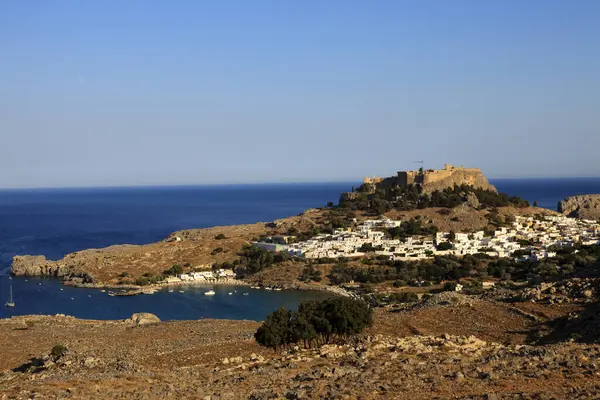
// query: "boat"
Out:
[170,290]
[10,302]
[230,293]
[103,291]
[181,291]
[254,287]
[246,294]
[112,294]
[61,289]
[277,288]
[210,293]
[268,288]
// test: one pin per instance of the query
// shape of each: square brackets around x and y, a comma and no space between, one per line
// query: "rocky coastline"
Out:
[583,206]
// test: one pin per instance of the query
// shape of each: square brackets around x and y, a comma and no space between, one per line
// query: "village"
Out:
[530,237]
[208,276]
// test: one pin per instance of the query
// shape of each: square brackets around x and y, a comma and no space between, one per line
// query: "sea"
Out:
[55,222]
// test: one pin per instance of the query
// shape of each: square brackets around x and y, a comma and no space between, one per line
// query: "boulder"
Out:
[143,319]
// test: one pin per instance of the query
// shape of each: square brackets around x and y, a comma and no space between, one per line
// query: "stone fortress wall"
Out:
[435,179]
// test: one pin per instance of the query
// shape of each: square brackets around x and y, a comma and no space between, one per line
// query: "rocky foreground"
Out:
[449,346]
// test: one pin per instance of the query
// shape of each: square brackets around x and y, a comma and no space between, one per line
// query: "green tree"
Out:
[276,330]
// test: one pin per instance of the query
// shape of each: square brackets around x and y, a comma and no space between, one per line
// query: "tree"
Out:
[276,330]
[315,321]
[175,270]
[444,246]
[535,203]
[452,236]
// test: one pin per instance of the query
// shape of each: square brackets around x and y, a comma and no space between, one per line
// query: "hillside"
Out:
[200,248]
[449,346]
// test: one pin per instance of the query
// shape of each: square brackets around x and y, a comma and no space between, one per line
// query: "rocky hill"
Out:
[428,181]
[584,206]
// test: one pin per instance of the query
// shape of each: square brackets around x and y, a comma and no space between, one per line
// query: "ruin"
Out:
[432,179]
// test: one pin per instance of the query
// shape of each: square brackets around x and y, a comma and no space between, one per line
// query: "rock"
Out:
[143,319]
[472,200]
[89,362]
[583,206]
[225,361]
[29,266]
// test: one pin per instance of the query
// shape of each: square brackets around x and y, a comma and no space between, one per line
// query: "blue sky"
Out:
[184,92]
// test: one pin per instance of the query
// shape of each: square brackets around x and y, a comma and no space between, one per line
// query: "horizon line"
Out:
[256,183]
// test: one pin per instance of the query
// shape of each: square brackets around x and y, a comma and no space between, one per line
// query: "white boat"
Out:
[181,291]
[268,288]
[10,302]
[254,287]
[230,293]
[103,291]
[278,289]
[170,290]
[210,293]
[246,294]
[61,289]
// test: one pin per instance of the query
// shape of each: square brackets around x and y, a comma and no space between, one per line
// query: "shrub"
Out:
[450,286]
[444,246]
[220,236]
[217,251]
[142,281]
[309,273]
[175,270]
[58,350]
[404,297]
[124,274]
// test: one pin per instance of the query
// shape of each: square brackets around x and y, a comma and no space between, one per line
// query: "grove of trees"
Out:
[315,323]
[381,200]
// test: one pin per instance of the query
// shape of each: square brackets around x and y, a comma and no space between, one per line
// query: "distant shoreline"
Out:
[259,184]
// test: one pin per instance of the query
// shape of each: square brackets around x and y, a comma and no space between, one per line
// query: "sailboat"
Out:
[10,302]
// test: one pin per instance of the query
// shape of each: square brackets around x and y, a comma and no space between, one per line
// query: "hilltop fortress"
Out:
[432,179]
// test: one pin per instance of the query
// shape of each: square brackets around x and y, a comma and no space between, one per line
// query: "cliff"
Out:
[450,176]
[584,206]
[428,181]
[40,266]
